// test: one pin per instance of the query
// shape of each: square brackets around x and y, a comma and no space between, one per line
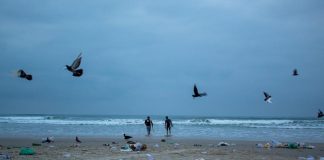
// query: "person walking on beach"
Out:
[168,124]
[149,125]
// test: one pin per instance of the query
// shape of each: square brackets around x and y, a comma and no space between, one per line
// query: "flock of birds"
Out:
[78,73]
[72,68]
[267,96]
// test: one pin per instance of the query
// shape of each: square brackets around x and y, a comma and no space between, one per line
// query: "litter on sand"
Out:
[259,145]
[277,144]
[149,157]
[113,149]
[75,145]
[176,145]
[156,145]
[223,144]
[125,148]
[306,158]
[67,155]
[138,146]
[133,147]
[4,156]
[27,151]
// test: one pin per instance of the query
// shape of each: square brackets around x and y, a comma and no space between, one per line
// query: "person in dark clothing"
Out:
[168,124]
[149,125]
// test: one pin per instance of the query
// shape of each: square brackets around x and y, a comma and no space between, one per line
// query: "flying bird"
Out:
[127,137]
[196,93]
[267,97]
[295,72]
[22,74]
[77,139]
[320,114]
[74,67]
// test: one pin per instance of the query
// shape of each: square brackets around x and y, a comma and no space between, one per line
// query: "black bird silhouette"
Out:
[267,97]
[127,137]
[22,74]
[74,67]
[320,114]
[197,94]
[295,72]
[77,139]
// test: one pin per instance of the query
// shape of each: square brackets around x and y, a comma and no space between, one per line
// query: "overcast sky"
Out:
[143,57]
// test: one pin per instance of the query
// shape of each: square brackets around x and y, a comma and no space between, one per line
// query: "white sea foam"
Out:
[47,120]
[230,122]
[250,123]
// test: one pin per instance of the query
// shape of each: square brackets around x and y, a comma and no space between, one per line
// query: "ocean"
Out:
[218,128]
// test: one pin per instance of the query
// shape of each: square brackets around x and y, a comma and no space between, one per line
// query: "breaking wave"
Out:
[217,122]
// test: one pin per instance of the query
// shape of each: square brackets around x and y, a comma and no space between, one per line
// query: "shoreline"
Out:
[235,128]
[172,148]
[153,137]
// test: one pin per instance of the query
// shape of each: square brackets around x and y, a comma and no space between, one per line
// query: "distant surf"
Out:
[220,122]
[306,129]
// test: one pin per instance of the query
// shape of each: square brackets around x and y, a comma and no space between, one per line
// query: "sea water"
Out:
[218,128]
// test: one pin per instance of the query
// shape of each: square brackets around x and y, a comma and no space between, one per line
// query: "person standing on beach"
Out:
[149,125]
[168,124]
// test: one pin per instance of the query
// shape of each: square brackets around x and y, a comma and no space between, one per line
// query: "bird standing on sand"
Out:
[127,137]
[77,139]
[196,93]
[267,97]
[295,72]
[22,74]
[74,67]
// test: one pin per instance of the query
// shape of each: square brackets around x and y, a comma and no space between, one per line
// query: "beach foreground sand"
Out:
[173,148]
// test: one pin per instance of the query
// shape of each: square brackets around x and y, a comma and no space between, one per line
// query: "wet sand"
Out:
[173,148]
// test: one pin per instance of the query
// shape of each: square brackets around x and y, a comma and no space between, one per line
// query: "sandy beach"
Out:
[172,148]
[232,80]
